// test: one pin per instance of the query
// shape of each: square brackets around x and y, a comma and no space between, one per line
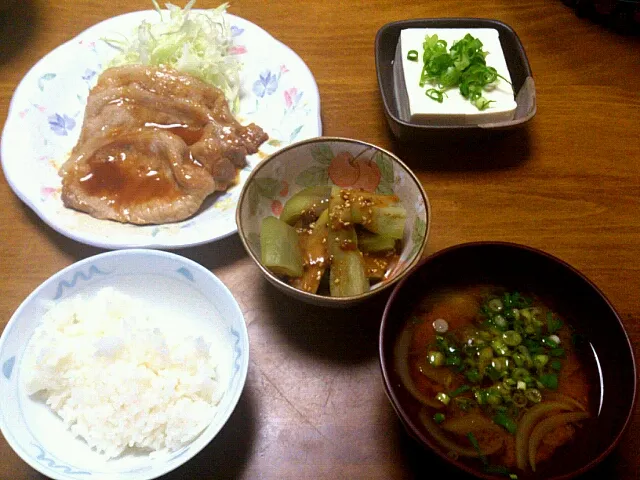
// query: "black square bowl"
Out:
[393,89]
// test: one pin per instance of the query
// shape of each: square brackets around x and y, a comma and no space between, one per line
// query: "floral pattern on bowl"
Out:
[333,161]
[278,93]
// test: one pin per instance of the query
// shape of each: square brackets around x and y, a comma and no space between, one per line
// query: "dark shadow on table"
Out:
[228,454]
[493,151]
[218,254]
[71,248]
[620,16]
[18,21]
[344,336]
[421,463]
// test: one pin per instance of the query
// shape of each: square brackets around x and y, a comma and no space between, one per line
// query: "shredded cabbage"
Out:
[194,42]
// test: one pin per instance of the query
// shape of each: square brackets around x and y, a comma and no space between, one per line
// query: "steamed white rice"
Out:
[119,381]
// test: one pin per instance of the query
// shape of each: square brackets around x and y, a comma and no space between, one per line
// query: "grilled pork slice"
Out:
[154,144]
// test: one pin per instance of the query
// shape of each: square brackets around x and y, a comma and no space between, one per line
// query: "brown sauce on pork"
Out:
[118,176]
[154,144]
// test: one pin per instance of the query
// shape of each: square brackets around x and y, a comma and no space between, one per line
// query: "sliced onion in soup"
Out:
[546,426]
[527,424]
[401,361]
[472,422]
[436,432]
[560,397]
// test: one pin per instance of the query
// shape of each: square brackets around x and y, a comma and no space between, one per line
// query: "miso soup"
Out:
[498,377]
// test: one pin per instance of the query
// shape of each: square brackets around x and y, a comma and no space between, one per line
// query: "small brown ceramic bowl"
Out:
[572,296]
[344,162]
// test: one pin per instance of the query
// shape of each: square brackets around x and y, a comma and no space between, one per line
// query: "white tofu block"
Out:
[455,109]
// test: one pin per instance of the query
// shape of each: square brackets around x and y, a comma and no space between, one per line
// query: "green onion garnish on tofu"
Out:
[463,65]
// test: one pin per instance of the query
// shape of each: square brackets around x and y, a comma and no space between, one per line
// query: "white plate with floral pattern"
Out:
[278,93]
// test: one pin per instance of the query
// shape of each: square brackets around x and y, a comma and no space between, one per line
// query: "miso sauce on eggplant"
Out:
[334,241]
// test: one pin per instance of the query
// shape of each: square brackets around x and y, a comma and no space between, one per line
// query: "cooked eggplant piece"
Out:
[369,242]
[279,248]
[313,242]
[363,203]
[347,276]
[388,221]
[381,214]
[339,208]
[307,203]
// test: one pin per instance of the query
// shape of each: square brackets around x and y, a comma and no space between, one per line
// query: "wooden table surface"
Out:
[568,183]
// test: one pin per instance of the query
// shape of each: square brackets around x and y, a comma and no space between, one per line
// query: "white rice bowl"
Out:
[195,304]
